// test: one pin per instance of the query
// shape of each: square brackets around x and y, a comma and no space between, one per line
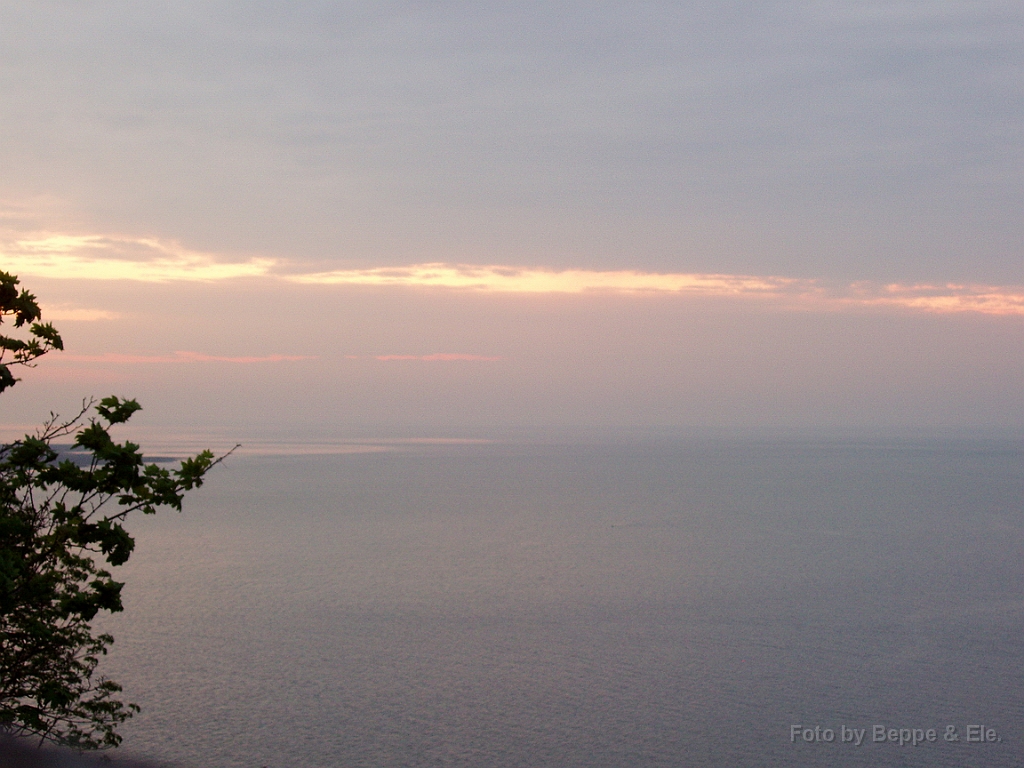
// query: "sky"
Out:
[320,220]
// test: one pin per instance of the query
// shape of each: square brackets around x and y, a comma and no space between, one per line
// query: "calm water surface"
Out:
[644,605]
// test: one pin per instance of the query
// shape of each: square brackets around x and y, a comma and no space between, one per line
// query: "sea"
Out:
[632,603]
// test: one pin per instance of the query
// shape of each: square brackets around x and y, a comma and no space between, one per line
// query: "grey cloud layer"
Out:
[860,140]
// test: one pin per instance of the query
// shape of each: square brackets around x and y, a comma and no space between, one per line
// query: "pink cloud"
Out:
[180,357]
[946,299]
[444,357]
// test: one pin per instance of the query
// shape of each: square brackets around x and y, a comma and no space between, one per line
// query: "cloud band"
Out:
[151,260]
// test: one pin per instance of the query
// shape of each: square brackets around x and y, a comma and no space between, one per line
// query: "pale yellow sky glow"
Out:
[98,257]
[507,279]
[117,258]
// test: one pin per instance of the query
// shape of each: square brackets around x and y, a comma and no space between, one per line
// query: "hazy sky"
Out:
[461,218]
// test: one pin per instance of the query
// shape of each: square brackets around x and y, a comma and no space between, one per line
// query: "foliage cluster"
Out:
[21,307]
[64,495]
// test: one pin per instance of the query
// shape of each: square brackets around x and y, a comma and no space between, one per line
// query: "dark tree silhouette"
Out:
[64,495]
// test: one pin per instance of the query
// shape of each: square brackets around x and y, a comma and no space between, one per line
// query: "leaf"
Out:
[117,411]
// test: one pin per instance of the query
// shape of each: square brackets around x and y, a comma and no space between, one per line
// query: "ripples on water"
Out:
[666,605]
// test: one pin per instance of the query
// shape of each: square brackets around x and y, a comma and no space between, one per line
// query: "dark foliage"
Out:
[20,307]
[61,526]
